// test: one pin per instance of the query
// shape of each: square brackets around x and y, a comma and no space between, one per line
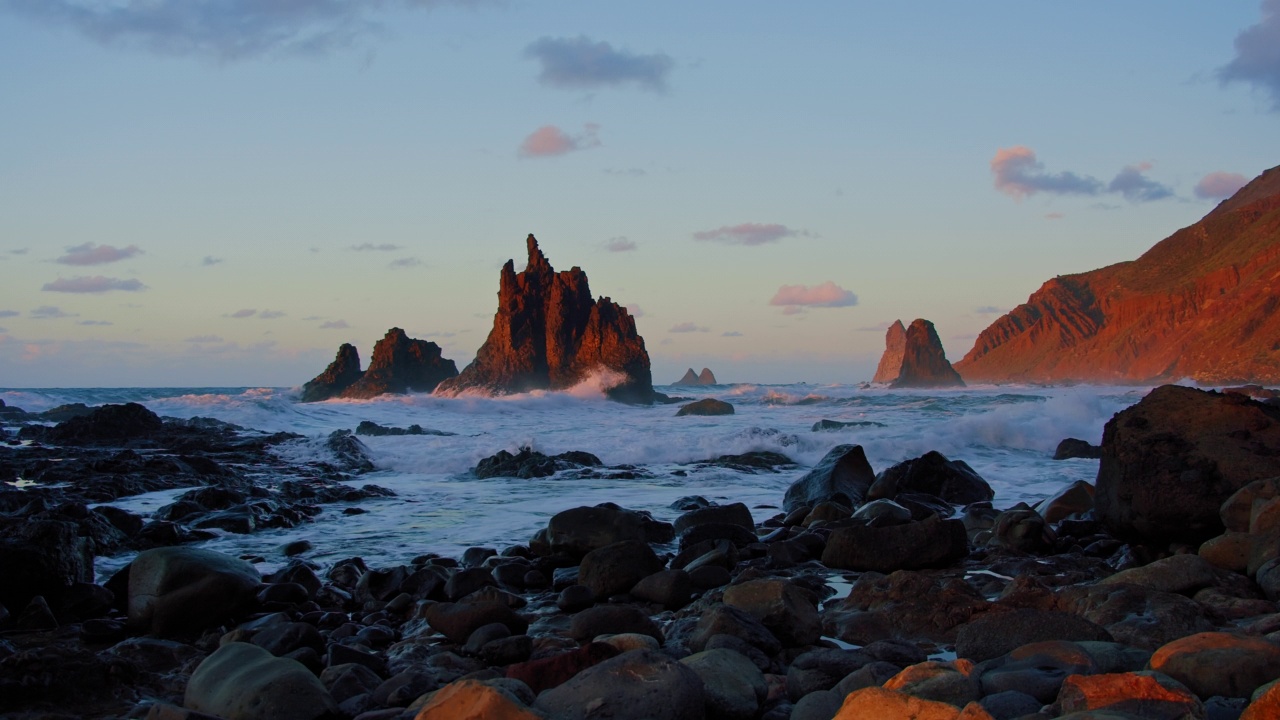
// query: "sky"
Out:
[221,192]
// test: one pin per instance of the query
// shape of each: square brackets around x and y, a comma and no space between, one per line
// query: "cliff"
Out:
[549,334]
[1200,304]
[914,358]
[400,364]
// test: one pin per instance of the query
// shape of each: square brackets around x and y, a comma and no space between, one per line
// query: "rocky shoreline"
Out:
[897,594]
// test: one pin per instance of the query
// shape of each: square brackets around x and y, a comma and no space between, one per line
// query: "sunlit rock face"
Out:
[400,365]
[914,358]
[895,344]
[549,334]
[1203,304]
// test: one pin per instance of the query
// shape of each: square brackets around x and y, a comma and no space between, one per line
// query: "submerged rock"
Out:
[530,464]
[706,406]
[1076,448]
[373,429]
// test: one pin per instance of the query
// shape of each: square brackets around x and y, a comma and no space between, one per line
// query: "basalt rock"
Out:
[549,334]
[914,358]
[400,364]
[1201,304]
[341,374]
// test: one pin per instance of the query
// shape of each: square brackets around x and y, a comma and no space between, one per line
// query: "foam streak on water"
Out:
[1006,434]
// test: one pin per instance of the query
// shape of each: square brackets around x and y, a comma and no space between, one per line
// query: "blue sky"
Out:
[204,192]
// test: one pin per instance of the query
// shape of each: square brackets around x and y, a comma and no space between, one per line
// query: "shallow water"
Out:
[1007,434]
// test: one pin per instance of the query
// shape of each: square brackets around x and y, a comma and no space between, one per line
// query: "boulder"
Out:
[1237,511]
[1228,551]
[842,472]
[951,682]
[1135,615]
[1074,498]
[548,672]
[1022,530]
[245,682]
[1141,694]
[530,464]
[1182,574]
[910,546]
[1076,448]
[577,531]
[1216,663]
[456,621]
[1037,669]
[549,333]
[637,685]
[825,669]
[179,591]
[996,633]
[615,569]
[781,607]
[906,604]
[705,406]
[734,688]
[341,374]
[932,473]
[1265,703]
[473,700]
[671,589]
[722,619]
[1171,461]
[830,425]
[882,704]
[612,620]
[734,514]
[42,557]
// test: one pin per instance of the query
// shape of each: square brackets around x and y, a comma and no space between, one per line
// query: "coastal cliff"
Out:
[549,334]
[1201,304]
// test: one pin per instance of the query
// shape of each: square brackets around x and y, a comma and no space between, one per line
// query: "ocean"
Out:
[1007,434]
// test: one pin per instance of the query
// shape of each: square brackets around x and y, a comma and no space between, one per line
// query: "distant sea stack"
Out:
[400,364]
[914,358]
[549,334]
[706,377]
[1202,304]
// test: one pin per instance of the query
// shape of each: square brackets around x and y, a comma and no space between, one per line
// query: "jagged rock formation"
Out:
[895,345]
[914,358]
[706,377]
[400,365]
[549,334]
[1201,304]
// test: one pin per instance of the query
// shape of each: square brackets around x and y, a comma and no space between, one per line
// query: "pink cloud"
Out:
[1219,185]
[90,254]
[748,233]
[1019,174]
[828,294]
[551,141]
[94,284]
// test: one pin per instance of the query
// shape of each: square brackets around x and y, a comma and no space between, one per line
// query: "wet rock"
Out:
[823,669]
[751,462]
[616,568]
[996,633]
[109,424]
[928,543]
[42,557]
[1171,461]
[1074,498]
[831,425]
[1237,510]
[949,682]
[349,453]
[548,672]
[780,606]
[1215,663]
[733,686]
[1142,694]
[932,473]
[1183,574]
[637,685]
[721,619]
[373,429]
[180,590]
[1134,615]
[1037,669]
[1075,448]
[1265,703]
[671,589]
[472,700]
[578,531]
[706,406]
[905,605]
[612,620]
[843,475]
[456,621]
[733,514]
[530,464]
[248,683]
[892,705]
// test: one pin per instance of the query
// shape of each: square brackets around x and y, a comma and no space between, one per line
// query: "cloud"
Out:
[620,244]
[223,29]
[95,322]
[1054,216]
[49,312]
[1219,185]
[270,315]
[1135,186]
[370,247]
[407,262]
[579,63]
[792,310]
[731,333]
[335,325]
[989,310]
[749,234]
[19,251]
[204,339]
[90,254]
[828,294]
[94,284]
[687,327]
[1019,174]
[879,327]
[210,260]
[241,314]
[551,141]
[1257,60]
[635,311]
[9,313]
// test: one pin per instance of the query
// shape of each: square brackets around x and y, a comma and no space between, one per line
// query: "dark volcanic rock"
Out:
[401,364]
[995,633]
[1076,448]
[373,429]
[828,425]
[932,473]
[577,531]
[635,685]
[550,334]
[341,374]
[844,471]
[706,406]
[530,464]
[914,358]
[107,424]
[909,546]
[1171,461]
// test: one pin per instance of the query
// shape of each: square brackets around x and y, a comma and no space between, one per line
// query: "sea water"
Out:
[1007,434]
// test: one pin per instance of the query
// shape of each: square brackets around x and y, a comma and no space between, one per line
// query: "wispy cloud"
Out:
[92,284]
[270,314]
[9,313]
[580,63]
[50,312]
[204,339]
[551,141]
[335,325]
[989,310]
[210,261]
[687,327]
[1257,60]
[406,262]
[1019,174]
[1054,216]
[1219,185]
[620,244]
[828,294]
[749,234]
[731,333]
[241,314]
[370,247]
[90,254]
[223,29]
[19,251]
[95,322]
